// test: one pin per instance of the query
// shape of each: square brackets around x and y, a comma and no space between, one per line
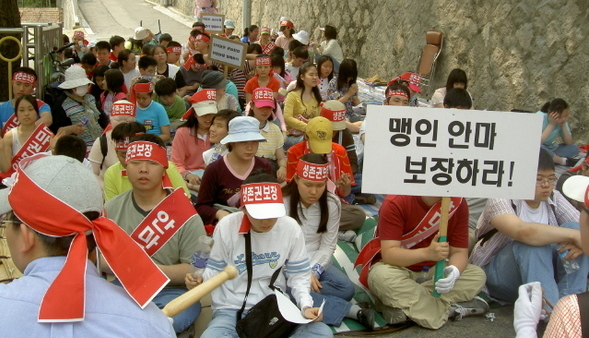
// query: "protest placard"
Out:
[450,152]
[227,52]
[213,22]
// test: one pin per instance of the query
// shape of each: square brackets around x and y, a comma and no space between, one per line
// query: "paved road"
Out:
[105,18]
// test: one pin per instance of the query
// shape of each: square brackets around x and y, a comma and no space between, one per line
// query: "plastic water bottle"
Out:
[570,265]
[423,276]
[201,255]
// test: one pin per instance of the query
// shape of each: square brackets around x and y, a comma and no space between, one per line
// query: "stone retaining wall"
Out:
[517,54]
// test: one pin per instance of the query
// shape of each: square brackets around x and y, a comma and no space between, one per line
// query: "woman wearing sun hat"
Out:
[79,106]
[220,185]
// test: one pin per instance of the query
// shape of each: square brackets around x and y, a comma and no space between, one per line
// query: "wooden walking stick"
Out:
[183,301]
[440,265]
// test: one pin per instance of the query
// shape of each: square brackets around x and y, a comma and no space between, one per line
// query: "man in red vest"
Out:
[160,220]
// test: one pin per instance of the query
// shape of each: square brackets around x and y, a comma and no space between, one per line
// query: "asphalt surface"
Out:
[104,18]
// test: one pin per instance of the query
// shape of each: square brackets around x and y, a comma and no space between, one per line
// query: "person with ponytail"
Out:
[555,124]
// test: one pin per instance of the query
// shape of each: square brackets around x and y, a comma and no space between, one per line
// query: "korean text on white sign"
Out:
[228,52]
[213,22]
[450,152]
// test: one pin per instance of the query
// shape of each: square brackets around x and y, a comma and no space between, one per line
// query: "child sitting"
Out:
[113,85]
[165,89]
[151,114]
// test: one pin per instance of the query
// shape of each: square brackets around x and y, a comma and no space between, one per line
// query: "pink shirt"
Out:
[187,149]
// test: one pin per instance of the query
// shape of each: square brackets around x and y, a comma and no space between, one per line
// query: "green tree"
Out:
[9,18]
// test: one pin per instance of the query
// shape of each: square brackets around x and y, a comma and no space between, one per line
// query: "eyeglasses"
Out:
[551,181]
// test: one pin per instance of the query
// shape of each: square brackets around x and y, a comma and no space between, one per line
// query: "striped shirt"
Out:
[482,255]
[274,140]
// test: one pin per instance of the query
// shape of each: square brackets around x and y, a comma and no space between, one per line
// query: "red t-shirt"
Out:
[252,84]
[400,214]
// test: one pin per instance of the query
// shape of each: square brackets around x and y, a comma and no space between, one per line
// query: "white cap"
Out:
[575,187]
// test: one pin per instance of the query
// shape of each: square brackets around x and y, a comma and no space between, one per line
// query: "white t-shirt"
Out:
[528,214]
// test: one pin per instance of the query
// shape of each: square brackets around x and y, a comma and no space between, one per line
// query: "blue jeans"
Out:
[182,320]
[224,321]
[563,150]
[518,263]
[291,140]
[337,291]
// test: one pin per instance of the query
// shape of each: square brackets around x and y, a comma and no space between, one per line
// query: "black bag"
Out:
[264,319]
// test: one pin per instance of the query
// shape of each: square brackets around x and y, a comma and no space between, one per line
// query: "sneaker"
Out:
[572,162]
[475,307]
[366,315]
[365,199]
[346,236]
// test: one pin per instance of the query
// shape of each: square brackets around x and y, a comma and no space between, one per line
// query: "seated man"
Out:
[163,222]
[61,294]
[116,180]
[566,319]
[24,80]
[318,137]
[410,249]
[276,246]
[519,241]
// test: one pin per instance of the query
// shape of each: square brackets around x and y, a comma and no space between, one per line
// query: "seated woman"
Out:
[318,211]
[16,140]
[192,138]
[344,88]
[329,46]
[456,79]
[302,104]
[220,185]
[555,124]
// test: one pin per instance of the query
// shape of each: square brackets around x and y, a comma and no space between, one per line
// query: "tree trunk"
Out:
[9,18]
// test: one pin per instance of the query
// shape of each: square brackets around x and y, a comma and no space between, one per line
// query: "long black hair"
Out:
[301,84]
[348,73]
[557,105]
[292,190]
[323,59]
[457,75]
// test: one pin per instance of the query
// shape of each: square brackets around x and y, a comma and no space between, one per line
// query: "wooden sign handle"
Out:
[183,301]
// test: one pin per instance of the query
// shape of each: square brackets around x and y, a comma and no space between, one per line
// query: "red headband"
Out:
[202,37]
[24,77]
[143,87]
[259,193]
[122,109]
[397,92]
[263,61]
[333,115]
[122,145]
[64,301]
[176,49]
[144,150]
[312,171]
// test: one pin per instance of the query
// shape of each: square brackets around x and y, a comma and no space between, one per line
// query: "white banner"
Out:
[213,22]
[228,52]
[450,152]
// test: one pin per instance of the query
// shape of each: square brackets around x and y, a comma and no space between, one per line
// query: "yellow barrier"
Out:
[10,61]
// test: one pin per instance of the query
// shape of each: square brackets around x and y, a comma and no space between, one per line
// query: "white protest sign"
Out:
[227,52]
[213,22]
[450,152]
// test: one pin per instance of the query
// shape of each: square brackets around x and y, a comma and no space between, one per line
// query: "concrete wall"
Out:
[517,54]
[52,14]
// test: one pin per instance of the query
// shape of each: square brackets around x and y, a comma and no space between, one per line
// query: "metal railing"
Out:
[38,40]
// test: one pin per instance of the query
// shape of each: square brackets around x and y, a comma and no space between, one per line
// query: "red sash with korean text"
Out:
[163,222]
[427,227]
[38,142]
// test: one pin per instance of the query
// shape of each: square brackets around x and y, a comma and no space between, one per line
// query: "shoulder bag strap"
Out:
[248,263]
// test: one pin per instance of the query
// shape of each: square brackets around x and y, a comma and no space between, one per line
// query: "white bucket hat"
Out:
[302,37]
[575,188]
[243,129]
[75,76]
[140,33]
